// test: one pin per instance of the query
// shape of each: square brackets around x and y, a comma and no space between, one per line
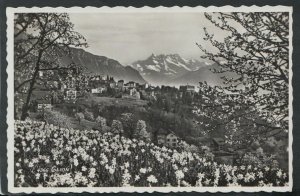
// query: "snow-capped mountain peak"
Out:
[165,63]
[158,68]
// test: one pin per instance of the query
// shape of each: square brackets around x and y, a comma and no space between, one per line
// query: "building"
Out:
[138,95]
[98,90]
[151,88]
[52,84]
[112,84]
[45,73]
[95,90]
[70,94]
[143,86]
[43,105]
[217,144]
[144,94]
[96,77]
[70,82]
[133,93]
[131,84]
[120,84]
[153,95]
[41,74]
[190,88]
[170,139]
[96,81]
[187,88]
[182,88]
[125,87]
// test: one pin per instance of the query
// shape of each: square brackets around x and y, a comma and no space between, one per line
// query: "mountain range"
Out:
[163,69]
[173,70]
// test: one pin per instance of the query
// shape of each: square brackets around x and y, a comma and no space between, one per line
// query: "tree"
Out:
[229,115]
[141,131]
[129,121]
[79,116]
[102,123]
[41,39]
[257,51]
[117,127]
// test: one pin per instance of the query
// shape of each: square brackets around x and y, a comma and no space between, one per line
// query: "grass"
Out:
[108,101]
[38,94]
[84,124]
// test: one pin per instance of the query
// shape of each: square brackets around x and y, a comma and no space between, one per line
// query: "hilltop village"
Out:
[74,86]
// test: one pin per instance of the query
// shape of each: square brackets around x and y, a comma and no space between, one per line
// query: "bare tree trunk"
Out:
[35,74]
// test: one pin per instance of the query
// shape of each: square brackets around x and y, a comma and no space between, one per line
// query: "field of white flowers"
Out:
[49,156]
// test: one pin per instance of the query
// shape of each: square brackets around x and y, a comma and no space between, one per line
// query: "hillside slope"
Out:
[95,64]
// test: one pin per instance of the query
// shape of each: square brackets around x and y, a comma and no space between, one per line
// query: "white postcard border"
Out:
[10,98]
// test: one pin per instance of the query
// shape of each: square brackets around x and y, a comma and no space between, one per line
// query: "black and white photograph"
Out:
[141,99]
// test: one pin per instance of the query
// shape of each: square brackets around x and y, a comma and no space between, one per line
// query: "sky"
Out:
[128,37]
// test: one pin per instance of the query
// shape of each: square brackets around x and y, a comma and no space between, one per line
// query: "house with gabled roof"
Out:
[172,140]
[217,143]
[169,139]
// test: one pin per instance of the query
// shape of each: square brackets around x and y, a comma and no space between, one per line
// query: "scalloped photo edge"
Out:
[10,97]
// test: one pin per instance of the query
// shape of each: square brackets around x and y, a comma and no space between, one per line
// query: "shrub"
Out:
[79,116]
[117,127]
[89,116]
[101,121]
[141,132]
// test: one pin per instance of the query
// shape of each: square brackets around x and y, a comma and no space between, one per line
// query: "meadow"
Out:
[50,156]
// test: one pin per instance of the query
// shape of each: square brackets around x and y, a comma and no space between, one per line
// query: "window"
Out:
[168,140]
[174,140]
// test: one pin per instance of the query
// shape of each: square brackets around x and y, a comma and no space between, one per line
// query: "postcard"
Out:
[166,99]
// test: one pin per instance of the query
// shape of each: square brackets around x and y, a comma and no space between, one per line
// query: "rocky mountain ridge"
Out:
[174,70]
[95,64]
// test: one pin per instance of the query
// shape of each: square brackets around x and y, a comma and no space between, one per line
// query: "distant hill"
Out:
[200,75]
[95,64]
